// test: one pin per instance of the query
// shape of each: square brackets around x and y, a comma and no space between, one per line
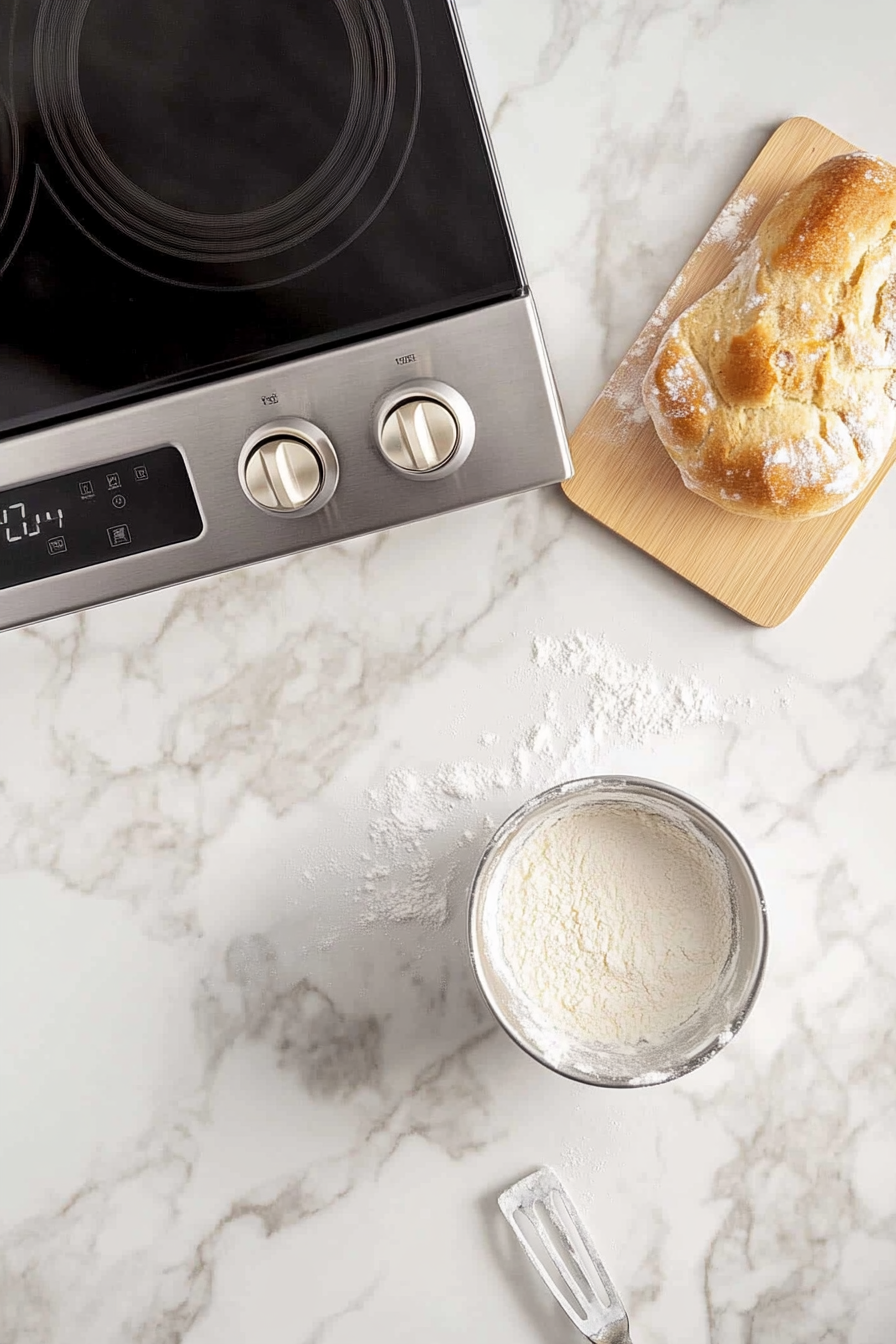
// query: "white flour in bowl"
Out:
[615,923]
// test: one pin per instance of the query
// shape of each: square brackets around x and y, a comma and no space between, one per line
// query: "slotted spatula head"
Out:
[553,1236]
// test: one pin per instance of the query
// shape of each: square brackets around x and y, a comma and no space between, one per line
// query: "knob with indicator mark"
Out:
[424,430]
[283,474]
[419,435]
[289,468]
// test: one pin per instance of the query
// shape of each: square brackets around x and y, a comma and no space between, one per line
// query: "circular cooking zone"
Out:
[213,148]
[9,170]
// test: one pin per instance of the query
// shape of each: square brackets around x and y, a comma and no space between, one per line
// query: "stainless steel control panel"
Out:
[378,433]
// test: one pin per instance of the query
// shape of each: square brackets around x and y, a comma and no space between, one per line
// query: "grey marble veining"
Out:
[239,1102]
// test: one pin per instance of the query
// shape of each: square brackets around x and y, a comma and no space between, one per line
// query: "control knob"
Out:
[289,467]
[424,430]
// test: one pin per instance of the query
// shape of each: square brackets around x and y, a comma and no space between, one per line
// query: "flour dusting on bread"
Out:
[775,394]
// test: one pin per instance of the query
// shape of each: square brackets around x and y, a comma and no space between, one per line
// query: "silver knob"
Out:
[424,429]
[419,435]
[289,467]
[283,474]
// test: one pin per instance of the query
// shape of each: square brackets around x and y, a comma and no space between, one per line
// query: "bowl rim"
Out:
[648,789]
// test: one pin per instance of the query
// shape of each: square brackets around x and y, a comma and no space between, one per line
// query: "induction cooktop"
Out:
[258,290]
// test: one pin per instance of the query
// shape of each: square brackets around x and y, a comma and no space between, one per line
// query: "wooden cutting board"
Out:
[626,480]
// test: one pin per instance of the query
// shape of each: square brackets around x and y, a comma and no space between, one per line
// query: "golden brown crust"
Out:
[775,394]
[832,218]
[745,376]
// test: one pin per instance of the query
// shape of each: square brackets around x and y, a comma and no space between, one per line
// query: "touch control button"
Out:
[289,467]
[283,474]
[419,435]
[424,430]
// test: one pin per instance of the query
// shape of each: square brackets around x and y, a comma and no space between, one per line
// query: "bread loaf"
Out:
[775,394]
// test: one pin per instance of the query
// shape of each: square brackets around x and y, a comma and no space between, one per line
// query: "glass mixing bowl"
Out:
[713,1024]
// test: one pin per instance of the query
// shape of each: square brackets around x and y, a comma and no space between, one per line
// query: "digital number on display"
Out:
[17,524]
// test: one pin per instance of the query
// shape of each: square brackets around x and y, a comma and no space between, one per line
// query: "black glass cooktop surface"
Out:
[193,187]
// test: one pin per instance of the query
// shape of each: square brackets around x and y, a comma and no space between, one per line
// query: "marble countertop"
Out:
[248,1091]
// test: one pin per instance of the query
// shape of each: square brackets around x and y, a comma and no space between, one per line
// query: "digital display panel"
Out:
[96,514]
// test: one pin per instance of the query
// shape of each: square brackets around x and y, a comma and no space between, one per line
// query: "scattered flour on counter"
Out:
[581,1157]
[626,702]
[592,698]
[615,923]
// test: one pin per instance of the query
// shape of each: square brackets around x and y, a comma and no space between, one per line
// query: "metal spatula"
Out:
[553,1236]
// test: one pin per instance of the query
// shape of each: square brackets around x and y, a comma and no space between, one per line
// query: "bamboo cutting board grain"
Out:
[624,477]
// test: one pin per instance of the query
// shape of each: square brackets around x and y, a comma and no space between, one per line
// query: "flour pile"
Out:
[592,698]
[615,924]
